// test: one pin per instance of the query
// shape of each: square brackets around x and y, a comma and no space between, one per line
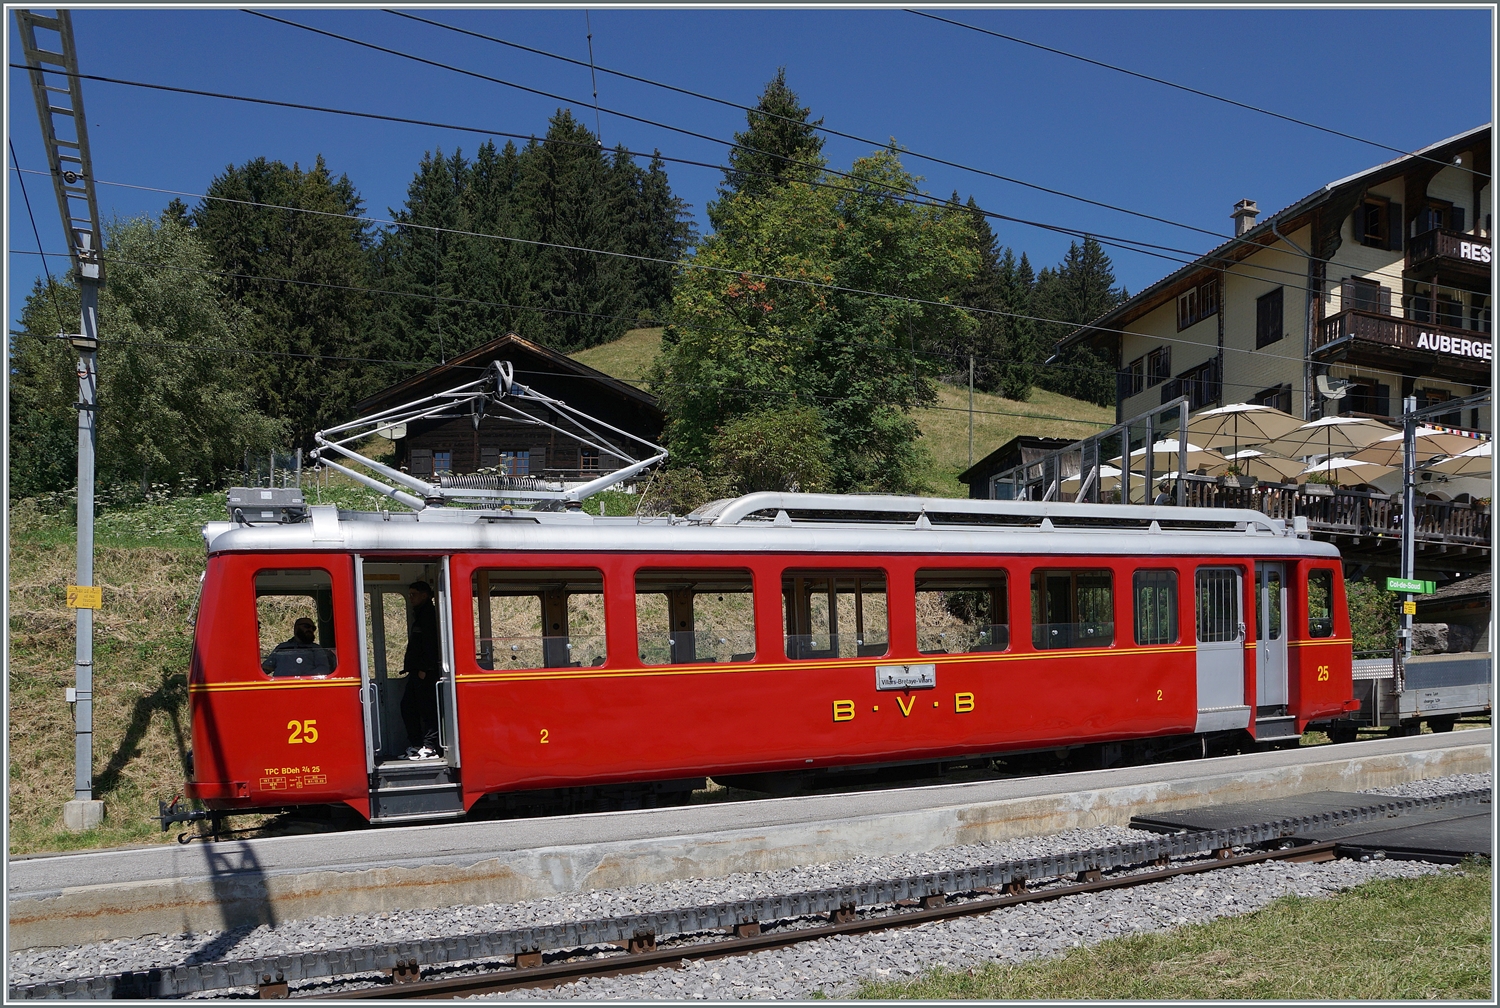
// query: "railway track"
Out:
[651,941]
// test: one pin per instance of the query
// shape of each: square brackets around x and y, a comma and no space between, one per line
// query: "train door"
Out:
[406,783]
[1221,650]
[1270,638]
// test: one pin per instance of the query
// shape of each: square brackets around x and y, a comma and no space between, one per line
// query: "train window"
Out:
[1072,609]
[294,616]
[1218,605]
[535,618]
[1268,588]
[962,611]
[835,614]
[685,616]
[1155,607]
[1320,603]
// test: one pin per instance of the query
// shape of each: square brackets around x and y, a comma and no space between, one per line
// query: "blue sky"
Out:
[936,89]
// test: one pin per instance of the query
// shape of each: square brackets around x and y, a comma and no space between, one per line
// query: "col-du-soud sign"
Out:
[1444,343]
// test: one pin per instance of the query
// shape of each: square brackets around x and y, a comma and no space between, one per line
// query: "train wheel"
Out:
[1441,724]
[1343,731]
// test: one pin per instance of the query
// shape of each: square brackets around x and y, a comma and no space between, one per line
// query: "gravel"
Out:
[833,965]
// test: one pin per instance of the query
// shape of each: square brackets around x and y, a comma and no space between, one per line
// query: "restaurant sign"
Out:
[1443,343]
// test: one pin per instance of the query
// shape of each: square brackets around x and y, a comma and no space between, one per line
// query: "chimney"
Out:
[1245,212]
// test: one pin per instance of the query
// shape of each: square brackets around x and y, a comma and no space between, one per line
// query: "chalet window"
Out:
[1431,397]
[442,462]
[1136,377]
[1277,397]
[1197,304]
[588,459]
[1270,320]
[1369,397]
[1365,295]
[1377,223]
[1200,384]
[1479,318]
[1158,365]
[1437,214]
[1450,312]
[420,463]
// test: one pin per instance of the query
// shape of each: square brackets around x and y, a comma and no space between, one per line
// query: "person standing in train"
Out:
[422,664]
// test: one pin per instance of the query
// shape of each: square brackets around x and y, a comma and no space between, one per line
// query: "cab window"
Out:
[1320,603]
[294,619]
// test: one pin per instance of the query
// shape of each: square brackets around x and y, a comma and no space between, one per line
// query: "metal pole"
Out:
[971,409]
[1408,513]
[1149,473]
[1182,425]
[87,344]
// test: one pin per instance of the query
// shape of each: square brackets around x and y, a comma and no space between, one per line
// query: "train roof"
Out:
[793,523]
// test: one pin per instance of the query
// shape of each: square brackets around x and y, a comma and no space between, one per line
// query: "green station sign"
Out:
[1410,585]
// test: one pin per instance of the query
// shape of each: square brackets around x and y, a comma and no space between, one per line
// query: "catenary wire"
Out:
[52,291]
[1113,241]
[952,358]
[1193,90]
[688,264]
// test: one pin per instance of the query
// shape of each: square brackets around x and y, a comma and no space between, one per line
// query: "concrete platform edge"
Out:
[100,912]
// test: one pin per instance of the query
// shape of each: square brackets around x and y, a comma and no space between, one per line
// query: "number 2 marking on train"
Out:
[1322,673]
[544,737]
[302,731]
[1158,694]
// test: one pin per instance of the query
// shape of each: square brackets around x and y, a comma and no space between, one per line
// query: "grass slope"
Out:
[1389,939]
[945,426]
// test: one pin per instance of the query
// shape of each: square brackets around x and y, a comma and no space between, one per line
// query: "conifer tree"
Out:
[1079,290]
[778,136]
[311,331]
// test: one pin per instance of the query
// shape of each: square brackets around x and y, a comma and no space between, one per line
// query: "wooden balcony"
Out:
[1353,517]
[1453,253]
[1424,348]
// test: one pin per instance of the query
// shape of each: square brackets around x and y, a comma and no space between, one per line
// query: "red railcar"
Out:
[777,634]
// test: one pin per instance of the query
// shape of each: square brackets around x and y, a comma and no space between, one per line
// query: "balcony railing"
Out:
[1359,513]
[1464,348]
[1441,246]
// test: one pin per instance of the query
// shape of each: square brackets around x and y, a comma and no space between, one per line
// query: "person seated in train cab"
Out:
[301,654]
[422,664]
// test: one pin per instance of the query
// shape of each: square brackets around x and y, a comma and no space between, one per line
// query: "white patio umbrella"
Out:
[1432,442]
[1265,466]
[1347,472]
[1475,462]
[1328,435]
[1241,424]
[1165,455]
[1109,479]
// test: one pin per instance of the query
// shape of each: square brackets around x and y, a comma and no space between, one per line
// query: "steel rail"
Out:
[177,981]
[657,958]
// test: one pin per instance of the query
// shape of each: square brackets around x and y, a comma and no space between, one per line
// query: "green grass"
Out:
[627,358]
[945,427]
[1390,939]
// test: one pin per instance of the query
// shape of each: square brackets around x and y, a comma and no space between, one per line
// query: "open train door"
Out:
[404,788]
[1218,592]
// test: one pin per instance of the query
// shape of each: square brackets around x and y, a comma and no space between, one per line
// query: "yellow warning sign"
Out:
[85,597]
[1409,608]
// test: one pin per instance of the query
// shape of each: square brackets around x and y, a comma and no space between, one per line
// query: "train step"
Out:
[416,801]
[416,773]
[1275,728]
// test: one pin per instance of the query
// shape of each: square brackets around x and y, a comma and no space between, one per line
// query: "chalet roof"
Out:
[544,370]
[1477,586]
[1001,457]
[1263,233]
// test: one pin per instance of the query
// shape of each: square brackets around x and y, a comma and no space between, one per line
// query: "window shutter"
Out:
[1395,225]
[1346,295]
[1385,301]
[1359,222]
[1456,218]
[1383,400]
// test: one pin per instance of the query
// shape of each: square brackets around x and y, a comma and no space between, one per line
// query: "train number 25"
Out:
[302,731]
[1322,673]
